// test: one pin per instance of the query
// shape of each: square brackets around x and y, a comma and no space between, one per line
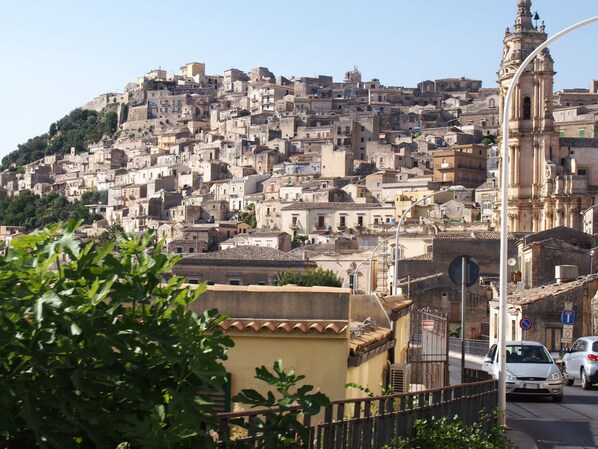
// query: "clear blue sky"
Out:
[59,54]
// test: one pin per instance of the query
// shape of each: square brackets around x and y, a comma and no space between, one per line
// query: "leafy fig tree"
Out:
[98,350]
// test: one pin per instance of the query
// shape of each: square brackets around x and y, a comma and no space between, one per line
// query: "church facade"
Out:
[551,180]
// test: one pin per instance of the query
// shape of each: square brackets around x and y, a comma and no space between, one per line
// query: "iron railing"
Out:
[373,422]
[472,347]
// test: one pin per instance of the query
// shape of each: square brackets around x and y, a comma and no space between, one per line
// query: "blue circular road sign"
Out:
[526,323]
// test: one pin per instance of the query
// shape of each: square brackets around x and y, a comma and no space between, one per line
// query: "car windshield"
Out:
[527,354]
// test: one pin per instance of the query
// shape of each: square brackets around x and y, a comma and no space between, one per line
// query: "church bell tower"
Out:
[533,144]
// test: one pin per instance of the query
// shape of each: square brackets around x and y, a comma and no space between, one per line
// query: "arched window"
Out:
[527,108]
[492,103]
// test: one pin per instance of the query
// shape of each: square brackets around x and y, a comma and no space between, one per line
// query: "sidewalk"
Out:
[520,439]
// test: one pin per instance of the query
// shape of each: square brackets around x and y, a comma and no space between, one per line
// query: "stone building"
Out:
[544,305]
[242,265]
[541,252]
[461,165]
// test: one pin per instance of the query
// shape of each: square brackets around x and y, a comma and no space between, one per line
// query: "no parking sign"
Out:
[526,323]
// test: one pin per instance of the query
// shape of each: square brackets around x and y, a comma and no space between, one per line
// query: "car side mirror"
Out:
[487,359]
[566,350]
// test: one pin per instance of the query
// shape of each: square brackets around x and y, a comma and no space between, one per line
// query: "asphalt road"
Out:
[571,424]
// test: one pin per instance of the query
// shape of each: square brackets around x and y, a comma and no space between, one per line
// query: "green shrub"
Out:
[97,349]
[281,429]
[310,278]
[447,433]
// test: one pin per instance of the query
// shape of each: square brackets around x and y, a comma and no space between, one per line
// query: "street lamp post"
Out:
[372,262]
[396,267]
[502,390]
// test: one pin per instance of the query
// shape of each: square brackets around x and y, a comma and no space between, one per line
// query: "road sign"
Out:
[568,316]
[526,323]
[567,333]
[472,270]
[428,325]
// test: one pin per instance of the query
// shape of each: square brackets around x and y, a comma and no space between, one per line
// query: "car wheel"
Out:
[566,380]
[558,398]
[585,382]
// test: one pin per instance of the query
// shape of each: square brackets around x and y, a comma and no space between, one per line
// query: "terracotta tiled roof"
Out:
[476,235]
[545,291]
[286,326]
[245,253]
[361,342]
[337,206]
[420,257]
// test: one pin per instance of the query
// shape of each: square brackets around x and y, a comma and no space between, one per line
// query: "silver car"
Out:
[581,362]
[530,369]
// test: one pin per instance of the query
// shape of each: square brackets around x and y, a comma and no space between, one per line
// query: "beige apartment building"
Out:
[461,165]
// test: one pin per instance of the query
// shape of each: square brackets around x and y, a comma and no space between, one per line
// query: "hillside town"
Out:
[248,175]
[307,157]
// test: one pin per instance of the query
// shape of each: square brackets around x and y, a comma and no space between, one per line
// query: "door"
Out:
[576,358]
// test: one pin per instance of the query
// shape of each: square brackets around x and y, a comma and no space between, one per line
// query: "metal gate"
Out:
[428,350]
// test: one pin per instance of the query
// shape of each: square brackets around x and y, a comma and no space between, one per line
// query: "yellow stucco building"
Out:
[324,333]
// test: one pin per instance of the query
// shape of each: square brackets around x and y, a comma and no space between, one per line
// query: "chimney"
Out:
[565,273]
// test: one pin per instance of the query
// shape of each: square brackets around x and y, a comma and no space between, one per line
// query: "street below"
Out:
[572,424]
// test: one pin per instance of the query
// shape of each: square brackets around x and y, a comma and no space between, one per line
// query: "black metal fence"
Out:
[428,350]
[370,423]
[473,347]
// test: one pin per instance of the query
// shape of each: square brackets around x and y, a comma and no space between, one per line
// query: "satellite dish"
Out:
[511,262]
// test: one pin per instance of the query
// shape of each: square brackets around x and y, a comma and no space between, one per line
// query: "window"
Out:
[495,325]
[552,338]
[561,133]
[234,282]
[179,250]
[527,108]
[581,132]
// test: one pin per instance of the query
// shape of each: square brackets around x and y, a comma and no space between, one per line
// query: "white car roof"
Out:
[523,343]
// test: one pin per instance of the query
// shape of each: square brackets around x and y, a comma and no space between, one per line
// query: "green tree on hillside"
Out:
[248,216]
[34,211]
[78,129]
